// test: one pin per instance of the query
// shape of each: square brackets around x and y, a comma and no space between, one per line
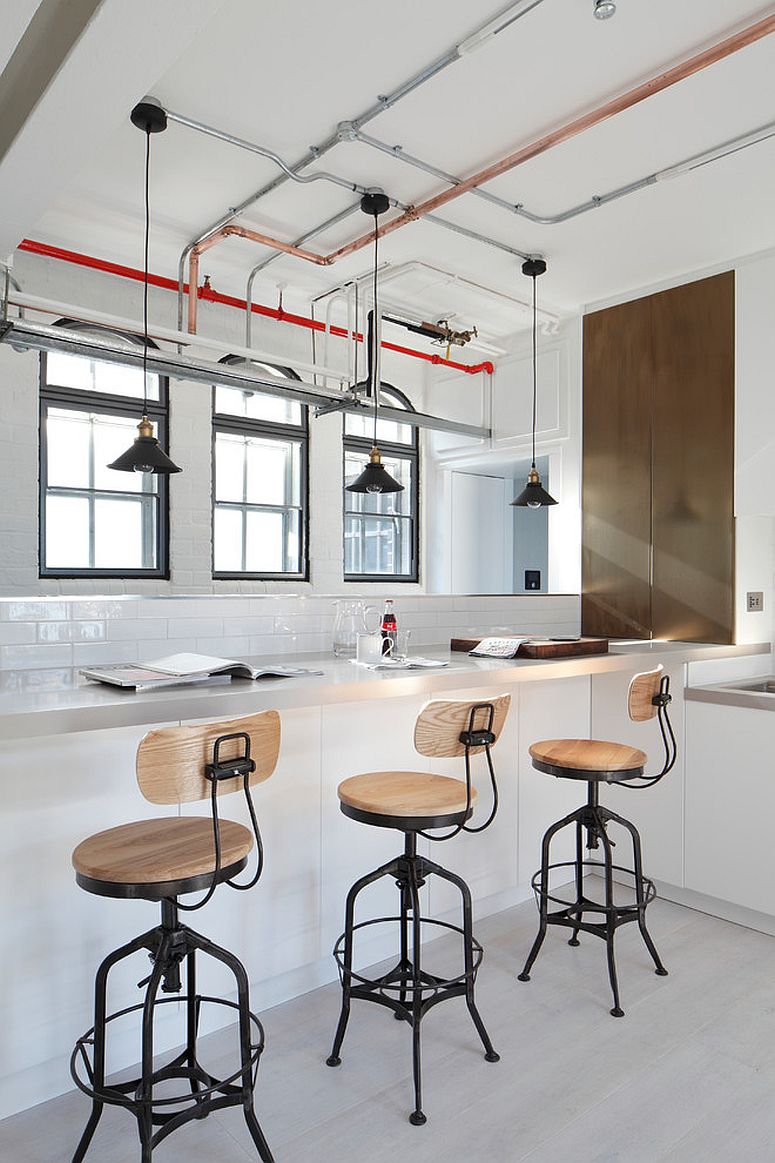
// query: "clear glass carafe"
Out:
[353,617]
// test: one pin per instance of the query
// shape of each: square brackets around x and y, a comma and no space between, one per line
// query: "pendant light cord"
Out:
[375,330]
[535,370]
[145,266]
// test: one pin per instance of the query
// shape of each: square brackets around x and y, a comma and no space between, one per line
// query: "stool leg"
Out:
[468,955]
[349,922]
[144,1097]
[100,1014]
[637,859]
[404,964]
[192,1018]
[416,1118]
[579,881]
[243,998]
[543,907]
[617,1011]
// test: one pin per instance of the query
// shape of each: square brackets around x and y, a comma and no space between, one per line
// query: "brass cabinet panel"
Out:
[658,525]
[693,478]
[616,487]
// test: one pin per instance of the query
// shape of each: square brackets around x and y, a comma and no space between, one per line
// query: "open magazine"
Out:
[182,669]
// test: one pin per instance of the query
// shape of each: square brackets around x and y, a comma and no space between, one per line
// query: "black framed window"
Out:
[381,529]
[260,482]
[94,521]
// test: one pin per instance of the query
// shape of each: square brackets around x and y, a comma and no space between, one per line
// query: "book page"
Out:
[188,664]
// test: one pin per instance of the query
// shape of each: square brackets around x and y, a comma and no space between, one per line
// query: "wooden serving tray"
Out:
[541,649]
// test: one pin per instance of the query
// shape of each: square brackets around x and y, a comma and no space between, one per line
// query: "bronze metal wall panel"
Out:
[693,461]
[616,488]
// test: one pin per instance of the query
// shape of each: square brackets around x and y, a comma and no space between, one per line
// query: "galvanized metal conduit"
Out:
[195,249]
[686,165]
[503,19]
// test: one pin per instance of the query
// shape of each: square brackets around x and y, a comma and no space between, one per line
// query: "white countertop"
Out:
[53,702]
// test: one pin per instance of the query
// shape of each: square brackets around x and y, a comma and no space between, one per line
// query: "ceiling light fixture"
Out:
[534,495]
[604,9]
[146,454]
[375,478]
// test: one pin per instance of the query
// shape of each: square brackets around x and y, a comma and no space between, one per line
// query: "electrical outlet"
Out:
[754,601]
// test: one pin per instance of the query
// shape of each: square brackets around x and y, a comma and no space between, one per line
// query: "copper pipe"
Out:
[658,84]
[632,97]
[238,232]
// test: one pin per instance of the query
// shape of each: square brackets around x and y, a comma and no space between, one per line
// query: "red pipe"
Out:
[44,250]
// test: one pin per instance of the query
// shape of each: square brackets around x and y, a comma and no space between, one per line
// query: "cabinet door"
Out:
[730,804]
[693,468]
[616,498]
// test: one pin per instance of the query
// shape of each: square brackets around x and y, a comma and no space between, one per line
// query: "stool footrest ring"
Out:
[215,1092]
[399,979]
[583,904]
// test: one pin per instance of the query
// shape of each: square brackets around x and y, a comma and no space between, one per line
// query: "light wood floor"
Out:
[687,1076]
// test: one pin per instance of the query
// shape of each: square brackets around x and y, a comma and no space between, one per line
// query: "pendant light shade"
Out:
[534,495]
[375,478]
[146,454]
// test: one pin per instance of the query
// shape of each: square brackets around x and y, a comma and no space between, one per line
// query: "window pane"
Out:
[75,371]
[124,534]
[398,467]
[229,467]
[274,476]
[377,545]
[257,405]
[227,540]
[67,446]
[272,542]
[67,533]
[387,430]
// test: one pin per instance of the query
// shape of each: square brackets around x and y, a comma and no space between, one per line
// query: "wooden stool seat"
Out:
[404,795]
[588,759]
[157,852]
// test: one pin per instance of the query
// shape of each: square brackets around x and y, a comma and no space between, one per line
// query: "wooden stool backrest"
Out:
[643,688]
[171,762]
[438,726]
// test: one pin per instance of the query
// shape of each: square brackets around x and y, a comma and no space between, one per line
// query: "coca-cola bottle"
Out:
[389,628]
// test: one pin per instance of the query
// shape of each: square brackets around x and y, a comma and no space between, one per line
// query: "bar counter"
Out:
[60,701]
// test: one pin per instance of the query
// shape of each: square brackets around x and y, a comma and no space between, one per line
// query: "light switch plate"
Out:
[754,601]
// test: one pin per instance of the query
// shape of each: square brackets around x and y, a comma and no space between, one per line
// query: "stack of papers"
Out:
[402,664]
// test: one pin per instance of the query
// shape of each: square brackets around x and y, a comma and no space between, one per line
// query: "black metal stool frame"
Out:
[168,945]
[416,990]
[594,819]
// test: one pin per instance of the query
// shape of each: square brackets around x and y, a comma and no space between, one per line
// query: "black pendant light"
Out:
[534,495]
[375,478]
[146,454]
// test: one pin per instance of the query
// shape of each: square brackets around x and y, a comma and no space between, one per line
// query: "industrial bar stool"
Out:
[161,860]
[411,802]
[598,762]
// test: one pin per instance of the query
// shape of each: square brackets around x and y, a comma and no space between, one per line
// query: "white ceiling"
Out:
[284,75]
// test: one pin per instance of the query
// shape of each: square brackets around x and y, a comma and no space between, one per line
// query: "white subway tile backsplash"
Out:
[195,627]
[105,629]
[91,654]
[14,633]
[38,611]
[38,655]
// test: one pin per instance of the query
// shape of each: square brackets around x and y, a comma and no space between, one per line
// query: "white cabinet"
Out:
[730,804]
